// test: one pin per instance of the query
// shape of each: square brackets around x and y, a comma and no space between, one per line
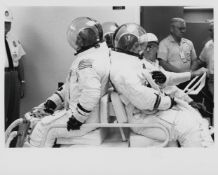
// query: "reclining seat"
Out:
[111,112]
[95,137]
[135,140]
[112,106]
[113,115]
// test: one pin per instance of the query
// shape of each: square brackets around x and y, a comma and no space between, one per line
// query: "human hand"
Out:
[199,72]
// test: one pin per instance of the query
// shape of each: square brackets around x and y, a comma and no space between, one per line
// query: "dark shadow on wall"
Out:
[198,33]
[157,19]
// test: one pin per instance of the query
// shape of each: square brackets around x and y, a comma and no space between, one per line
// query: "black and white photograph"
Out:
[116,77]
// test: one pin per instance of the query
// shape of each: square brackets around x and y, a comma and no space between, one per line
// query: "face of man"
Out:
[7,27]
[138,47]
[150,52]
[178,29]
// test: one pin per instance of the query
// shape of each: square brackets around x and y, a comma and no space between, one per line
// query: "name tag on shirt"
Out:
[182,56]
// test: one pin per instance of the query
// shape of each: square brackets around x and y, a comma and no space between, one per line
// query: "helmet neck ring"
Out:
[96,45]
[140,56]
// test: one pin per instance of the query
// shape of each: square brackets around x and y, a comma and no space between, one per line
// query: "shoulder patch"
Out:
[87,63]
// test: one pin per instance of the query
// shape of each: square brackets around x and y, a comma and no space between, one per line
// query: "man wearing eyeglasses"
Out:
[177,54]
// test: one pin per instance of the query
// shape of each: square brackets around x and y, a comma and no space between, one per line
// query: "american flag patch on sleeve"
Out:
[85,64]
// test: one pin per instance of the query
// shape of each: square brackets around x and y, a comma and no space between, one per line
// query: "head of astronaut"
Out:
[150,53]
[84,33]
[130,38]
[109,29]
[177,28]
[8,20]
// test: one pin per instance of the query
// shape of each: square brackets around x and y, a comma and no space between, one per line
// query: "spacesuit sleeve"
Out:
[176,78]
[90,86]
[146,98]
[58,97]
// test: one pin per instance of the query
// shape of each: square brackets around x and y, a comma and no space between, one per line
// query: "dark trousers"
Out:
[12,97]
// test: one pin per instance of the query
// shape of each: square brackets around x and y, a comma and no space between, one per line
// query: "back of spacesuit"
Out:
[144,103]
[85,84]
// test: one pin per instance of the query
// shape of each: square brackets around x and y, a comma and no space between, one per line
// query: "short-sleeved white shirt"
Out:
[207,55]
[178,55]
[16,50]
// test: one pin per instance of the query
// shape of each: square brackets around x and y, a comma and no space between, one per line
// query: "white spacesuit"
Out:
[145,103]
[85,84]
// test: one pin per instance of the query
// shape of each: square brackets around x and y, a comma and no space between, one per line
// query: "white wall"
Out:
[198,15]
[42,31]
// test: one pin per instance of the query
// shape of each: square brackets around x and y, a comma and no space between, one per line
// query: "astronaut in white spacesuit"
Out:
[145,102]
[78,99]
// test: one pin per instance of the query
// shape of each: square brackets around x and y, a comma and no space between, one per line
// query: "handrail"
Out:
[112,125]
[200,82]
[11,136]
[12,126]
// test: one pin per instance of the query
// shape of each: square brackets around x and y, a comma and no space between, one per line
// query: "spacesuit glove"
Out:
[73,124]
[50,107]
[158,77]
[173,102]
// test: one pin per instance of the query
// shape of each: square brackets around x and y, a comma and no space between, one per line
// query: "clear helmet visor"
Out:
[108,31]
[131,38]
[83,32]
[109,27]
